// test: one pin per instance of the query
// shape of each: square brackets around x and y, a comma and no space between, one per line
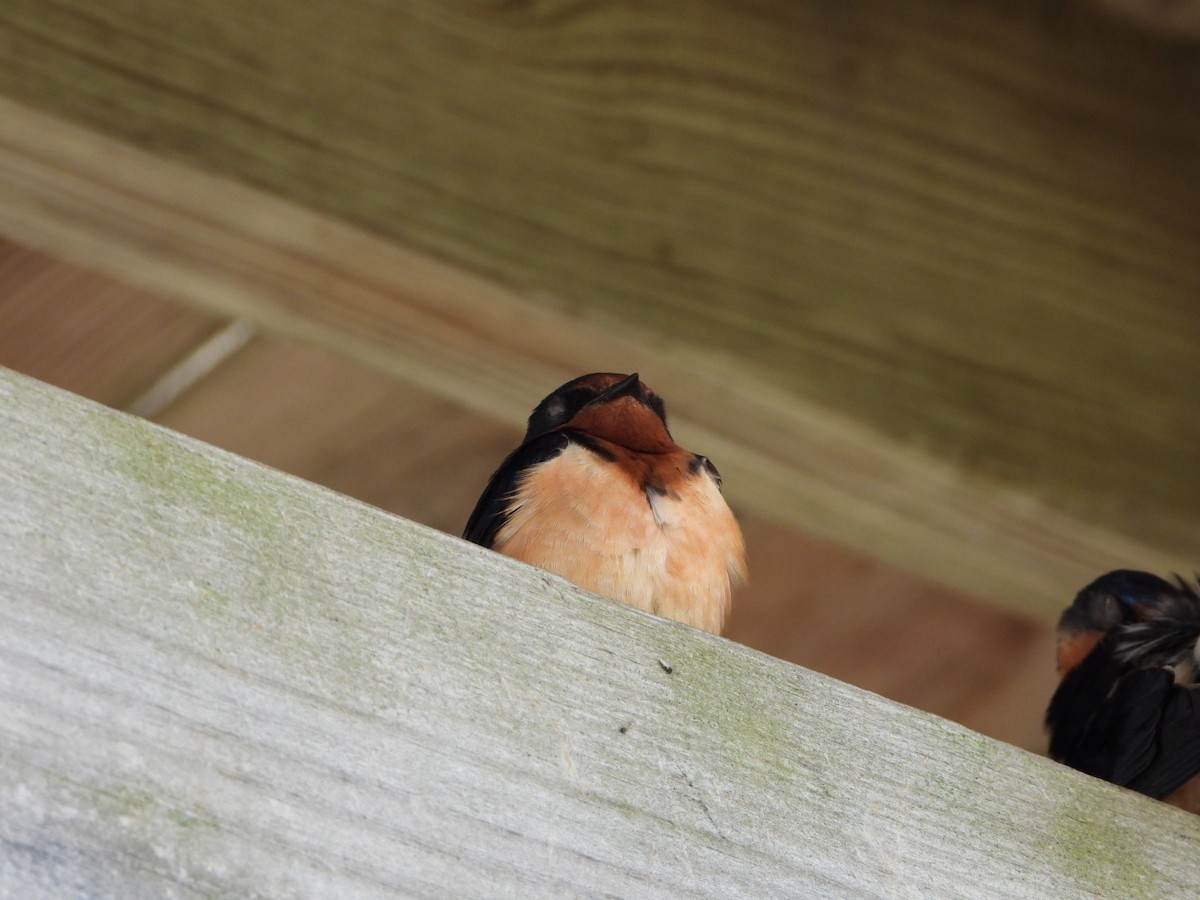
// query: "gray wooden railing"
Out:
[218,680]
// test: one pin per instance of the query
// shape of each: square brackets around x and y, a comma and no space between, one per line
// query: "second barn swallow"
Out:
[1127,708]
[599,493]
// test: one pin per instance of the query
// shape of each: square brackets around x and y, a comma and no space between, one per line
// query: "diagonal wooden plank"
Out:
[971,226]
[490,348]
[348,427]
[1179,20]
[84,332]
[219,679]
[247,255]
[190,369]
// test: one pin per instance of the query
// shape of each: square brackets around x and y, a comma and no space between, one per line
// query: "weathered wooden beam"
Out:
[1177,19]
[244,253]
[218,679]
[47,332]
[923,283]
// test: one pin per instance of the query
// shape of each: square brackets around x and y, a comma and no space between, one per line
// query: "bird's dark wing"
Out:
[491,511]
[1073,709]
[1177,758]
[1138,729]
[1126,730]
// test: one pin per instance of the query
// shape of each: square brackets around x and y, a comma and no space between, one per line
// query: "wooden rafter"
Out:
[922,283]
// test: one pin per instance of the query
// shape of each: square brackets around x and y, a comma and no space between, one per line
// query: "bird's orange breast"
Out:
[675,551]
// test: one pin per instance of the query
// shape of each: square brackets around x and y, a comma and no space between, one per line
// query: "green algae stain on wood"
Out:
[1096,848]
[145,808]
[265,572]
[755,727]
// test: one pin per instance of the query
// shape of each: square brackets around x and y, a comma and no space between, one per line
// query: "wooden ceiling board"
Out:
[884,630]
[350,428]
[490,348]
[87,333]
[1175,19]
[969,226]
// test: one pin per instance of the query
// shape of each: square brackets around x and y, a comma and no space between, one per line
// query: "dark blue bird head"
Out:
[1113,599]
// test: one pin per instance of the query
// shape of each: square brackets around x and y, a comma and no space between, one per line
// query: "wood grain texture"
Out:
[972,226]
[489,348]
[387,442]
[1175,19]
[191,368]
[221,680]
[85,332]
[350,428]
[908,639]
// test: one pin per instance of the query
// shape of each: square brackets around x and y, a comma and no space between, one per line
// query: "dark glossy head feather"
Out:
[1113,599]
[566,401]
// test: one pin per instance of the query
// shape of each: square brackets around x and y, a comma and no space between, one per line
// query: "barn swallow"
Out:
[599,493]
[1127,708]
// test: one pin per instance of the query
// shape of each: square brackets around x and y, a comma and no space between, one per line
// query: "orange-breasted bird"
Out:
[1127,708]
[599,493]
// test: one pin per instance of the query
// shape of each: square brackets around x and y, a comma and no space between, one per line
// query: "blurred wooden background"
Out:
[922,282]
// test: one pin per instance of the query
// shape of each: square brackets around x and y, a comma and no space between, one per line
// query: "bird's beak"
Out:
[628,385]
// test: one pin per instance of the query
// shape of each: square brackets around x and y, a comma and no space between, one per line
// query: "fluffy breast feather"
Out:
[675,551]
